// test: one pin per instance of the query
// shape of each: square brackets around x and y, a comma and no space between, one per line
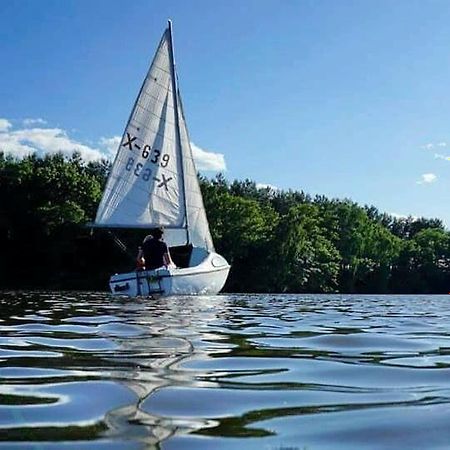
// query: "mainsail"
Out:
[153,181]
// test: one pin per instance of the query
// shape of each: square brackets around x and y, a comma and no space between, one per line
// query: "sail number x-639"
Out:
[146,152]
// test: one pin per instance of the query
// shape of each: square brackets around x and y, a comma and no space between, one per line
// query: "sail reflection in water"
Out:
[88,371]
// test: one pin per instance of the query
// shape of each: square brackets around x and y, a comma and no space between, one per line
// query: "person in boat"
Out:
[154,252]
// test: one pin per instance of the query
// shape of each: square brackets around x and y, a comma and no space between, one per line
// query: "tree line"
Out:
[276,241]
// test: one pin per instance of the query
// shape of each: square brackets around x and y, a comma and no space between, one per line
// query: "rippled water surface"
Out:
[88,371]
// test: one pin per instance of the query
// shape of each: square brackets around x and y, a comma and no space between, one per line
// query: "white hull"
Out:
[206,278]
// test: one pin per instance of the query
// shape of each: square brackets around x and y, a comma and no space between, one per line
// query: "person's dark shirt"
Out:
[153,253]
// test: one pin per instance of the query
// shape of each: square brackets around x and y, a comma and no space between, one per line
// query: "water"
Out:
[291,372]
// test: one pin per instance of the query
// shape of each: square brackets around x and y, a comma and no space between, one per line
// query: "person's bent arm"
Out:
[168,260]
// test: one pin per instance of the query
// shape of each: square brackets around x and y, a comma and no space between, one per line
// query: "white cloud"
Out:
[440,156]
[5,125]
[31,122]
[14,147]
[110,145]
[403,216]
[24,141]
[267,186]
[432,145]
[205,160]
[427,178]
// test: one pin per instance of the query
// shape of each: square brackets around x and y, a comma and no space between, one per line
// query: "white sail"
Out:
[154,181]
[199,234]
[145,187]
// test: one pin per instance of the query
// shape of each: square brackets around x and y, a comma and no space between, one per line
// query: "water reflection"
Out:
[91,371]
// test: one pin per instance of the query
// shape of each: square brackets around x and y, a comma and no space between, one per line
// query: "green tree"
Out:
[242,229]
[305,260]
[367,248]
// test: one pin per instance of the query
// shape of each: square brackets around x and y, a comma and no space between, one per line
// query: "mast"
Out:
[177,122]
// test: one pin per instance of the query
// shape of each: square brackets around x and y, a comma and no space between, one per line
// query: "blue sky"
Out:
[338,97]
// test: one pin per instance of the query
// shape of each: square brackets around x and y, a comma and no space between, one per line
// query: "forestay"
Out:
[153,181]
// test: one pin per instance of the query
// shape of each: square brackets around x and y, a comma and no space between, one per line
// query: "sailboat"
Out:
[153,183]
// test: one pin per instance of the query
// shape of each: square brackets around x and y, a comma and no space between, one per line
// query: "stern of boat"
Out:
[138,283]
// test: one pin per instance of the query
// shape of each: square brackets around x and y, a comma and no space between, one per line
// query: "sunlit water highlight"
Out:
[88,371]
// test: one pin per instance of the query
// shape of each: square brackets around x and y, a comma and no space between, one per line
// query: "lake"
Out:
[275,372]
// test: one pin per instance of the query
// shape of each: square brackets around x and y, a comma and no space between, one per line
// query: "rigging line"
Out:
[121,245]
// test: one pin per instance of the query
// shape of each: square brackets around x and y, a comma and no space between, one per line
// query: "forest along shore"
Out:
[276,241]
